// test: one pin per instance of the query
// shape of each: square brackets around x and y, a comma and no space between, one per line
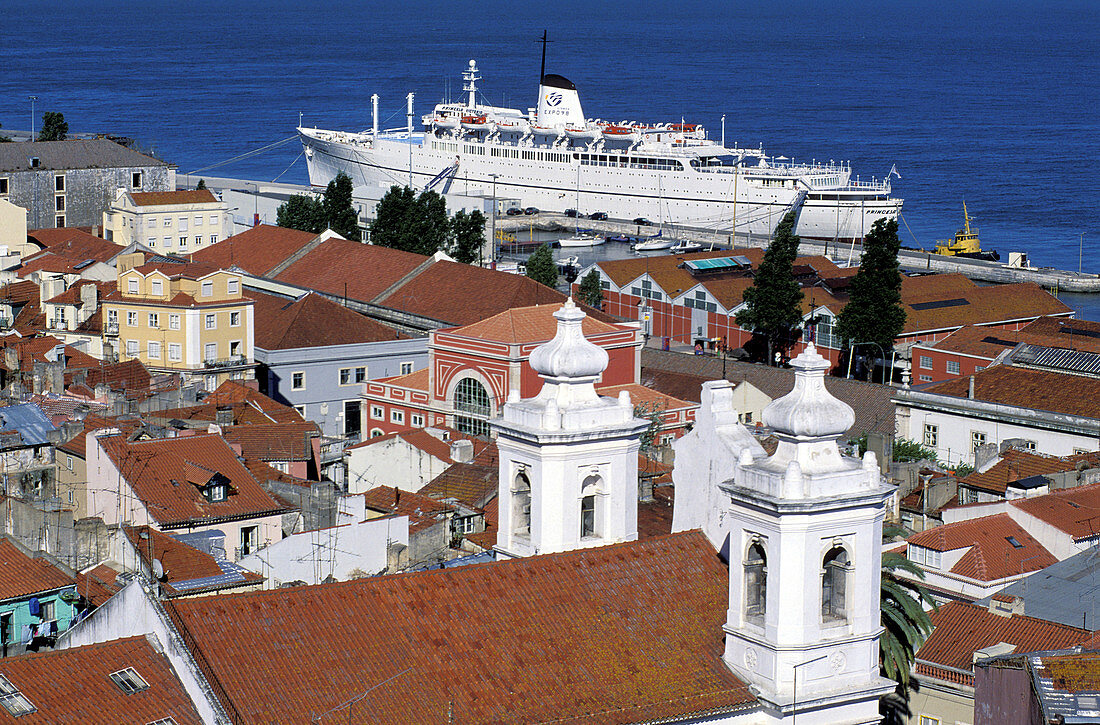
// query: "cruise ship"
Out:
[554,158]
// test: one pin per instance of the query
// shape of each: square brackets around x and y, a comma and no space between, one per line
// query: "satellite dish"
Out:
[158,569]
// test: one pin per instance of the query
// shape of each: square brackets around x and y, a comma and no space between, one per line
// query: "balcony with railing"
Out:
[110,328]
[234,361]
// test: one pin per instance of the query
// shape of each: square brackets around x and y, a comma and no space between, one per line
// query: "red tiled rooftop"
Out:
[619,634]
[417,380]
[421,510]
[342,267]
[182,196]
[991,555]
[23,575]
[1016,465]
[641,395]
[1016,387]
[274,441]
[1075,511]
[52,237]
[98,584]
[312,321]
[528,325]
[257,250]
[168,482]
[181,562]
[74,685]
[983,305]
[962,629]
[67,255]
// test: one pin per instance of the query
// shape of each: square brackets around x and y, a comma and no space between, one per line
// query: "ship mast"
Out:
[542,70]
[471,78]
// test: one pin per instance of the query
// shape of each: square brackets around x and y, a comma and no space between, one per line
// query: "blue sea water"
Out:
[992,103]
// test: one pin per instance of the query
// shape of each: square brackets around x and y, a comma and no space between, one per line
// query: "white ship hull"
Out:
[669,173]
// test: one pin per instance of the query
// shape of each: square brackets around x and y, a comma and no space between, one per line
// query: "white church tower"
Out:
[568,457]
[805,528]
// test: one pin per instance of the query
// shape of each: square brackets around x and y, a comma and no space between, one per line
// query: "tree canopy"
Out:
[340,214]
[201,185]
[411,222]
[874,313]
[54,127]
[468,233]
[542,268]
[590,290]
[772,304]
[301,211]
[334,210]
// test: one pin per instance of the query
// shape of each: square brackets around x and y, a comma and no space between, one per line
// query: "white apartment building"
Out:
[173,222]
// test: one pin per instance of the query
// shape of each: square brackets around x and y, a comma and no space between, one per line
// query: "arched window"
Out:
[470,397]
[589,518]
[521,505]
[834,578]
[756,583]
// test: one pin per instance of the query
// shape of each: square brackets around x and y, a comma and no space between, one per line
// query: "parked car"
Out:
[572,213]
[598,215]
[531,210]
[514,211]
[643,222]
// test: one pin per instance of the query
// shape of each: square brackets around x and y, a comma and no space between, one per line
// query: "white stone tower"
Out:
[805,556]
[568,457]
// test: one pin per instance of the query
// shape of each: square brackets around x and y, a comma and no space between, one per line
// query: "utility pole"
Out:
[493,234]
[1080,250]
[33,99]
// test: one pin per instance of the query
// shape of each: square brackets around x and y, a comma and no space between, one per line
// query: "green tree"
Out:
[411,222]
[905,623]
[907,451]
[201,184]
[590,290]
[468,233]
[340,214]
[652,413]
[542,268]
[54,127]
[773,303]
[874,313]
[301,211]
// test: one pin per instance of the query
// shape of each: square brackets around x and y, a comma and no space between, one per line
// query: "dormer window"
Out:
[923,555]
[216,489]
[207,289]
[132,286]
[157,287]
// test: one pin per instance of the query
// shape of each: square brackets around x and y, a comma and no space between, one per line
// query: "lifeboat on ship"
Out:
[683,127]
[442,123]
[476,123]
[546,130]
[583,133]
[612,132]
[512,125]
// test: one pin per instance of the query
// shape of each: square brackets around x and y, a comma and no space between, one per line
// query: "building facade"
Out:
[176,222]
[72,183]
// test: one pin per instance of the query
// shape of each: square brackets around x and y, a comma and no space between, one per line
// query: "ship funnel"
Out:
[559,104]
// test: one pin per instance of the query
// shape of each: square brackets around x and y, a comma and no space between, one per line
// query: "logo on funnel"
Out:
[553,99]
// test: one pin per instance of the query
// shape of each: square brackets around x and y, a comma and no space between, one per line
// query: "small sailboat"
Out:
[582,239]
[683,246]
[656,243]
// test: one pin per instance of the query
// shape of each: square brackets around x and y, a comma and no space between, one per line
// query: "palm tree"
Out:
[906,625]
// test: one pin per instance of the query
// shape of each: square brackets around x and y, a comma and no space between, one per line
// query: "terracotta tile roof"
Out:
[182,196]
[528,325]
[248,406]
[19,293]
[473,484]
[77,445]
[184,564]
[1072,673]
[641,395]
[164,474]
[415,437]
[1016,465]
[74,685]
[655,517]
[67,255]
[23,575]
[1075,511]
[274,441]
[873,404]
[1017,387]
[962,629]
[257,250]
[98,584]
[461,294]
[423,512]
[339,262]
[991,555]
[177,268]
[1073,334]
[417,380]
[52,237]
[679,385]
[312,321]
[977,305]
[30,350]
[127,375]
[613,635]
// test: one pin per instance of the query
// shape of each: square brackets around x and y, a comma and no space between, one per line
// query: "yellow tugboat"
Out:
[966,243]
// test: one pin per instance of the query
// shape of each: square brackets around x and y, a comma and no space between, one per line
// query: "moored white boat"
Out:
[683,246]
[654,244]
[581,240]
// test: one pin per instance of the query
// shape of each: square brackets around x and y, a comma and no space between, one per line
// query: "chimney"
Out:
[462,451]
[970,393]
[95,230]
[89,301]
[224,415]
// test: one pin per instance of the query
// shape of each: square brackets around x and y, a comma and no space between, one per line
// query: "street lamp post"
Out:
[851,355]
[33,99]
[794,688]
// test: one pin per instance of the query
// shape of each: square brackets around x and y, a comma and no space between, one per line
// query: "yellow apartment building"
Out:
[181,317]
[173,222]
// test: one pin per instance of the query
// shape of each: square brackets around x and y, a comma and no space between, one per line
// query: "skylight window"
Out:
[14,701]
[1012,540]
[129,681]
[164,721]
